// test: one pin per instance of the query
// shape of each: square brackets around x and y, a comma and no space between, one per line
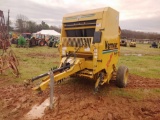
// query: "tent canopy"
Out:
[49,32]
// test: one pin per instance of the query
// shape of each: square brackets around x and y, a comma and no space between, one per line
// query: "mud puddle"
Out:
[38,111]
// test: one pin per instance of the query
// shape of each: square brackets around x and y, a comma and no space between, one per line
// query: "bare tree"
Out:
[31,27]
[139,35]
[10,25]
[44,25]
[21,23]
[58,29]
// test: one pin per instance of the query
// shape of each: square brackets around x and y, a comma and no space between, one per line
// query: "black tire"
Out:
[122,76]
[41,43]
[50,44]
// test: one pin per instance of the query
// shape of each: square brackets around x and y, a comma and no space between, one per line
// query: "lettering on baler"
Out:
[109,46]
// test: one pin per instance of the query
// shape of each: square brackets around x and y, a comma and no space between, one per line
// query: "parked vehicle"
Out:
[132,43]
[154,45]
[14,37]
[83,52]
[53,42]
[27,36]
[123,41]
[37,40]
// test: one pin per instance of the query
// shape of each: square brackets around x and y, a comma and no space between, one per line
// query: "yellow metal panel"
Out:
[85,15]
[89,64]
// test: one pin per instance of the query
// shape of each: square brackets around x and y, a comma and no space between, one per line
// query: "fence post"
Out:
[51,89]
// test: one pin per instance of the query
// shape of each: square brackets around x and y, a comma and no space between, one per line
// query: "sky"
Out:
[138,15]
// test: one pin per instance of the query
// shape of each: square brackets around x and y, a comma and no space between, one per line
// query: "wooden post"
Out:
[51,89]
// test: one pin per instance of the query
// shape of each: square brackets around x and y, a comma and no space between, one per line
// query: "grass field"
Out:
[141,60]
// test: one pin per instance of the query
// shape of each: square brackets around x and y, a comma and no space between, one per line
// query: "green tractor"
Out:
[53,42]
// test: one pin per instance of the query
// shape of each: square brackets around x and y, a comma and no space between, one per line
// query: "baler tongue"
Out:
[63,72]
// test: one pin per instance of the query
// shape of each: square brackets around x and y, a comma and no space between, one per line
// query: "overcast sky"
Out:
[139,15]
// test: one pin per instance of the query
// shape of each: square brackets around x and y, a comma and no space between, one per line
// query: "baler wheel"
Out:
[122,76]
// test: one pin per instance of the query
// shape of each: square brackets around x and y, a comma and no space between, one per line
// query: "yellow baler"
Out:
[89,47]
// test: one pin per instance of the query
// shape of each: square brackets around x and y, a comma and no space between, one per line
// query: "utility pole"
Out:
[8,23]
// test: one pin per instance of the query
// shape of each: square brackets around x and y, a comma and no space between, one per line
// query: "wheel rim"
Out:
[126,76]
[41,43]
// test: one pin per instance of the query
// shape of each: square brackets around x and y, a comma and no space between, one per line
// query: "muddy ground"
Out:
[77,101]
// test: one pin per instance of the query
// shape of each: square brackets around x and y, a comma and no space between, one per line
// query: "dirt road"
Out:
[76,101]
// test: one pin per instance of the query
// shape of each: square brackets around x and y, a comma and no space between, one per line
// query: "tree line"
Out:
[23,24]
[139,35]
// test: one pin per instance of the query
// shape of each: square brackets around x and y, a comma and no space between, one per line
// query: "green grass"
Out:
[137,94]
[38,60]
[33,61]
[143,49]
[147,64]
